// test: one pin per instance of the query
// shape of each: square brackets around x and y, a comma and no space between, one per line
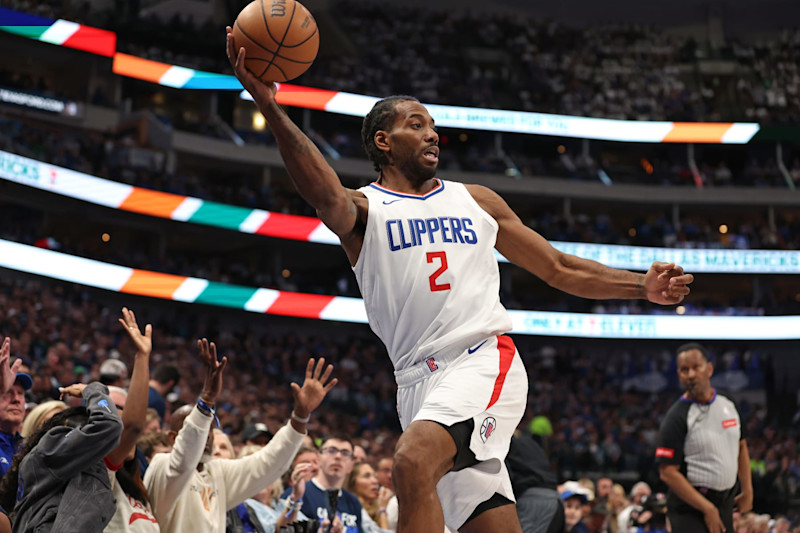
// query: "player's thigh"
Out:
[497,520]
[424,444]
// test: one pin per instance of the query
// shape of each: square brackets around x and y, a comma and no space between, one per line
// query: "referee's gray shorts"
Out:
[540,511]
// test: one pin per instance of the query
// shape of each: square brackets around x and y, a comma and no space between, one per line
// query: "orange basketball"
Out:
[280,37]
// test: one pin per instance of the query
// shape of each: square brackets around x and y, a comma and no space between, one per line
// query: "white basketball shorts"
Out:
[486,384]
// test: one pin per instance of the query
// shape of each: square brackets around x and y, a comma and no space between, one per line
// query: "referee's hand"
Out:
[744,502]
[713,520]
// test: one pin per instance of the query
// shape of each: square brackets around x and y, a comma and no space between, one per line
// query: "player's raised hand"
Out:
[666,283]
[263,92]
[315,387]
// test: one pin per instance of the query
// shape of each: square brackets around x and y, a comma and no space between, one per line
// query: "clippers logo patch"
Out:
[665,452]
[729,423]
[432,366]
[488,427]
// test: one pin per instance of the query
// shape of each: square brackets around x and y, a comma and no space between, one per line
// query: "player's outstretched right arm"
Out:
[313,177]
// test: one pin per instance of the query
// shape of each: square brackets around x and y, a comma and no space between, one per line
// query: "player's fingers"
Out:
[661,267]
[16,366]
[331,385]
[310,368]
[148,331]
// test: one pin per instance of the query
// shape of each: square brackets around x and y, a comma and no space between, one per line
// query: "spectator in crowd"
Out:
[384,472]
[12,405]
[134,510]
[153,443]
[336,462]
[363,482]
[257,433]
[256,513]
[56,482]
[223,447]
[575,498]
[616,503]
[39,415]
[305,466]
[638,492]
[163,379]
[152,421]
[113,372]
[539,507]
[192,492]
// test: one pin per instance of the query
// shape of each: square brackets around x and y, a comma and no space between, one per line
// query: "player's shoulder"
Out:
[356,194]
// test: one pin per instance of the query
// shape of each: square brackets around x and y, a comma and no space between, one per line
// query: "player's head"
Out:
[694,369]
[400,132]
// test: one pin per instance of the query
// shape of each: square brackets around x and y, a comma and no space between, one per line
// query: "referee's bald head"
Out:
[693,346]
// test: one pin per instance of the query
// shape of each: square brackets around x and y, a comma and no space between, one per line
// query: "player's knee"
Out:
[408,468]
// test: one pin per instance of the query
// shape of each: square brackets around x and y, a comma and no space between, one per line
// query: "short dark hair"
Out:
[379,118]
[693,346]
[166,373]
[340,437]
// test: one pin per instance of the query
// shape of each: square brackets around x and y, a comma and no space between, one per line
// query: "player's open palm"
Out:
[260,90]
[315,387]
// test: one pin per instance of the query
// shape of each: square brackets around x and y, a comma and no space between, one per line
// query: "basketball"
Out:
[280,38]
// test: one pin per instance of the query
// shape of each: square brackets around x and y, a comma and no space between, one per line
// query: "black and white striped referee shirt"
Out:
[703,438]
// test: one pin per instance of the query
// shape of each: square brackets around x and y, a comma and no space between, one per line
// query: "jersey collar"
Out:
[436,190]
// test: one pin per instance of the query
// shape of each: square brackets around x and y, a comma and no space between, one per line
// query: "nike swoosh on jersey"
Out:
[475,349]
[393,201]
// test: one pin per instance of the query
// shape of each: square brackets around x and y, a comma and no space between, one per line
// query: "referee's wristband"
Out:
[300,420]
[207,410]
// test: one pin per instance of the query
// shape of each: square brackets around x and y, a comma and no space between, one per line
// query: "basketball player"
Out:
[422,252]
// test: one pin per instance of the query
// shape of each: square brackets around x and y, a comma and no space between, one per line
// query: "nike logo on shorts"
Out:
[476,348]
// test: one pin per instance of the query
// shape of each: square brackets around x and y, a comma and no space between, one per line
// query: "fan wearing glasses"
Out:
[335,463]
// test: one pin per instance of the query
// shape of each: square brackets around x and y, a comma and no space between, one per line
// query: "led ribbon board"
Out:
[122,279]
[103,42]
[310,229]
[60,32]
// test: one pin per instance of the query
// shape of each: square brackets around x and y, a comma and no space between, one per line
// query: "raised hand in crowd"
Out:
[212,386]
[316,386]
[8,373]
[134,413]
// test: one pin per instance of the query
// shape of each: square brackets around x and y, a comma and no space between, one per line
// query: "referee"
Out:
[701,452]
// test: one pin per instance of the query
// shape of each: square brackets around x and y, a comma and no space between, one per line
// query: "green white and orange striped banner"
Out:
[60,32]
[127,280]
[310,229]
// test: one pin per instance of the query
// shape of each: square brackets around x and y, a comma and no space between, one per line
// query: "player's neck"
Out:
[397,181]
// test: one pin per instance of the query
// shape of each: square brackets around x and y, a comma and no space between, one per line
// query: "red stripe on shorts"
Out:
[506,347]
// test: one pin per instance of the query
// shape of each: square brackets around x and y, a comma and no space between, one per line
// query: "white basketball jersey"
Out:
[428,274]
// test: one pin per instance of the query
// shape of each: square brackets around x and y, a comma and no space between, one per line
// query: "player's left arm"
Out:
[664,283]
[744,500]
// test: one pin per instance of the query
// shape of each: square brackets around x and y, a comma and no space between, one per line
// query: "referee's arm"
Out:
[744,500]
[672,476]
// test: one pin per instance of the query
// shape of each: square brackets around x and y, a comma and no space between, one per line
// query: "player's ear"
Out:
[382,140]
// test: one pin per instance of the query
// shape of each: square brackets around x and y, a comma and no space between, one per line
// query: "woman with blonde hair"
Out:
[363,482]
[39,415]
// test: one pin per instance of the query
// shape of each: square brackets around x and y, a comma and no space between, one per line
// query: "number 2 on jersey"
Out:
[442,257]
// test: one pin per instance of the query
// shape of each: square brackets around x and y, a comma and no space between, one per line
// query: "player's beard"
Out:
[415,171]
